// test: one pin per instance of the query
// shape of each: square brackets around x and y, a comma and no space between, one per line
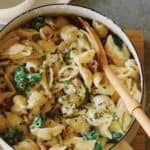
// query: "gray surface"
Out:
[131,14]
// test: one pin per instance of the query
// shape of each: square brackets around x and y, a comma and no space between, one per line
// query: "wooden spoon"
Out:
[133,106]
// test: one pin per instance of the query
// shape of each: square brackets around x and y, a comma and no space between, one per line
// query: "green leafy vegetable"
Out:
[65,85]
[20,78]
[92,135]
[23,79]
[38,122]
[117,41]
[34,78]
[13,136]
[38,22]
[116,136]
[98,146]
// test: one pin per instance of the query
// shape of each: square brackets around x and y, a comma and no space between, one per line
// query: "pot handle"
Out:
[40,2]
[124,146]
[10,13]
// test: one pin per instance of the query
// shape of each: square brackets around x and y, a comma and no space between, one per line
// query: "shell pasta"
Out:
[53,93]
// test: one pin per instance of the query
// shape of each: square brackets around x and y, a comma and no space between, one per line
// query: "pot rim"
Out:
[114,23]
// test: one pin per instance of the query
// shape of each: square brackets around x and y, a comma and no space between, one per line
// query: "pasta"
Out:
[100,29]
[36,99]
[53,93]
[58,148]
[27,144]
[20,104]
[85,145]
[118,54]
[78,124]
[47,133]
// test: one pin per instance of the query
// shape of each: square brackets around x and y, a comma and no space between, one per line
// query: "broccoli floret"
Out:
[34,78]
[13,136]
[20,78]
[98,146]
[38,122]
[92,135]
[24,80]
[38,22]
[117,41]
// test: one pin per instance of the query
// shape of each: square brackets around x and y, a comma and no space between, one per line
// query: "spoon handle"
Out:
[133,106]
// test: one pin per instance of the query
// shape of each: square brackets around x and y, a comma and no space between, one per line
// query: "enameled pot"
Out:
[59,9]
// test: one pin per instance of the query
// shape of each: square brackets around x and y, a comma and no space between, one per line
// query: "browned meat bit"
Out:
[67,133]
[92,65]
[46,32]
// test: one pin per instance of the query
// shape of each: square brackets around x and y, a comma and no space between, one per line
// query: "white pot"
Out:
[91,14]
[7,14]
